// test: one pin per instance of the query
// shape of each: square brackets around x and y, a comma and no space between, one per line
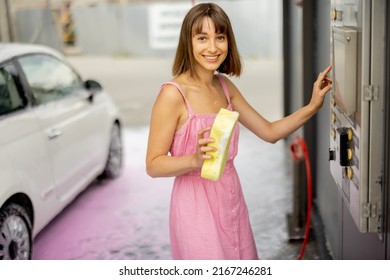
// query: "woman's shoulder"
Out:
[231,87]
[171,93]
[173,85]
[225,78]
[182,83]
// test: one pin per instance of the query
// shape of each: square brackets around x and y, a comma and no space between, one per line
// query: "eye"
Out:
[221,38]
[201,38]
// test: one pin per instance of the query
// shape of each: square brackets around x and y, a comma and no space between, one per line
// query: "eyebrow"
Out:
[205,33]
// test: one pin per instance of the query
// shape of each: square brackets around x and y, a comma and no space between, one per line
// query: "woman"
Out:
[209,219]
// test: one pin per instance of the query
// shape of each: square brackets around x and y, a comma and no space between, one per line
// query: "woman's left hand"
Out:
[321,86]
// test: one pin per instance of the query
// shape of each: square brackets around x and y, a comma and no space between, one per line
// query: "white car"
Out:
[58,133]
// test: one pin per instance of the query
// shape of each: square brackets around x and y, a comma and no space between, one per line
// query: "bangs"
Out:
[219,23]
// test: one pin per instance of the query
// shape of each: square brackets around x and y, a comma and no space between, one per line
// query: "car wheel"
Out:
[113,166]
[15,233]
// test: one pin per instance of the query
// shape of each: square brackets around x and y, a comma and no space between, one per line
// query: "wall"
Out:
[124,29]
[36,26]
[5,29]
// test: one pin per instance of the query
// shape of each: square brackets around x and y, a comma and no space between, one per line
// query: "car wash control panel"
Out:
[356,118]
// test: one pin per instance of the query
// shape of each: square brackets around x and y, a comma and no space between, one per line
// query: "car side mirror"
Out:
[93,87]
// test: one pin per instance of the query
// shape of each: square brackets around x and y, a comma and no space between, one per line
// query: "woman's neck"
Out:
[205,78]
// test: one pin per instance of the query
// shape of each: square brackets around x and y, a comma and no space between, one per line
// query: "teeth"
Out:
[211,57]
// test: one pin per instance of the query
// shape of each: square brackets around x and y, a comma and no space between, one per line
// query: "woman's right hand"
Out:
[321,86]
[202,146]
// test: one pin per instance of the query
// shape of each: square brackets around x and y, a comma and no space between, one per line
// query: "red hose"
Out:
[299,151]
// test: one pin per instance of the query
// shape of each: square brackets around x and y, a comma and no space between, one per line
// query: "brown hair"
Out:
[192,25]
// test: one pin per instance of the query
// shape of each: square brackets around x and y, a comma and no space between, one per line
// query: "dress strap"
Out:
[224,87]
[189,108]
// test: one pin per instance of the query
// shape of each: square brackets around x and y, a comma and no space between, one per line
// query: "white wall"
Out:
[124,29]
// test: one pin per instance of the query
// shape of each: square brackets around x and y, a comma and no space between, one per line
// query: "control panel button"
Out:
[349,173]
[334,14]
[333,101]
[333,117]
[350,134]
[333,134]
[332,155]
[350,154]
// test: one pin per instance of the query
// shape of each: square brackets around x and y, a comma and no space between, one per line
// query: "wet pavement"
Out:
[128,218]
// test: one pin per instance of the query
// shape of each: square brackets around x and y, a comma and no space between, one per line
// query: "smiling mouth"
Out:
[211,57]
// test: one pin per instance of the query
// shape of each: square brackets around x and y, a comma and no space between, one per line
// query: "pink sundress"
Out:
[208,219]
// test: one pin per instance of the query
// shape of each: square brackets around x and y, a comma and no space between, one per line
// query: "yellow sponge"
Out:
[221,132]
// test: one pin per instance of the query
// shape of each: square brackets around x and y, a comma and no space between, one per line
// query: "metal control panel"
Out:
[356,113]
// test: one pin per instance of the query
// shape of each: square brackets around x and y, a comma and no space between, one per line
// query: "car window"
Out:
[11,98]
[49,78]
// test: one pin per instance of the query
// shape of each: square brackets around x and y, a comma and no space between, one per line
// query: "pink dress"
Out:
[208,219]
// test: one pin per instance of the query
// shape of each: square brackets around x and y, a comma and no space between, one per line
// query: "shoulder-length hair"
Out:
[191,26]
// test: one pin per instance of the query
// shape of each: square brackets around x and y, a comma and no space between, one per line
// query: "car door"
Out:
[68,119]
[24,159]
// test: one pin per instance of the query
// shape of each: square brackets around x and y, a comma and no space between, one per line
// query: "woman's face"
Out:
[209,48]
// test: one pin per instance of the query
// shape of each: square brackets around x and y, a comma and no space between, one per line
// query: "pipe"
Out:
[299,151]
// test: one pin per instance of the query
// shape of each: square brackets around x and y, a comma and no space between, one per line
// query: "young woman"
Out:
[209,219]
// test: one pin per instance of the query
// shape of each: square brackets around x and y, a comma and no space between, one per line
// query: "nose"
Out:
[211,47]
